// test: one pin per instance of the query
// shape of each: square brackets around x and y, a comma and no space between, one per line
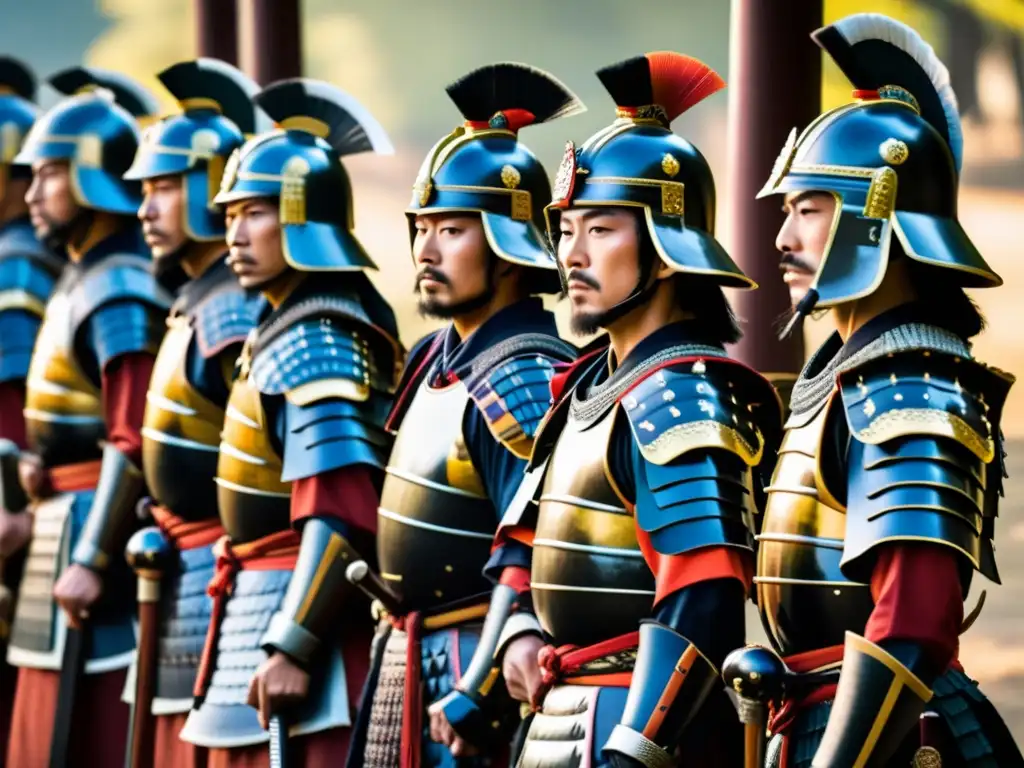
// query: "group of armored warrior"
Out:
[242,526]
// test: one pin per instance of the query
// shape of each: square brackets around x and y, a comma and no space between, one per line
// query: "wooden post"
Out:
[271,39]
[774,85]
[217,29]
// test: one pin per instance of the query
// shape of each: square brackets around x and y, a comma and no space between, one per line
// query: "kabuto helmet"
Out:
[17,113]
[94,130]
[637,162]
[300,165]
[892,160]
[481,167]
[216,113]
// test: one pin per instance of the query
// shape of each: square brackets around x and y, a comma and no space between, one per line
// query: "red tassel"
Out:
[679,82]
[412,702]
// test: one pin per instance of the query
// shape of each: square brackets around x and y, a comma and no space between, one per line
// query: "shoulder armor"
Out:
[922,457]
[513,397]
[702,403]
[316,359]
[18,332]
[26,282]
[224,318]
[925,393]
[122,327]
[118,278]
[325,434]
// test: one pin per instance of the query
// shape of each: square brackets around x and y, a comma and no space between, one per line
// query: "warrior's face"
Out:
[254,241]
[803,238]
[599,250]
[162,215]
[454,264]
[51,204]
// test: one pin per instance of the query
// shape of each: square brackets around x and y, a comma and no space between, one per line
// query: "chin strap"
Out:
[804,308]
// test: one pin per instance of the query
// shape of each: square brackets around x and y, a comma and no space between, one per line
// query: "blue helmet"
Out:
[300,165]
[217,113]
[891,158]
[481,167]
[17,113]
[94,131]
[637,162]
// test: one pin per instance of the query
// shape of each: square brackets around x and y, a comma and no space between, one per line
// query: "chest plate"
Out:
[435,522]
[252,499]
[63,411]
[181,431]
[805,601]
[589,579]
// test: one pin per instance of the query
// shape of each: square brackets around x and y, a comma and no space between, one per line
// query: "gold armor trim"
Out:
[927,421]
[16,298]
[175,412]
[682,438]
[881,198]
[56,389]
[902,678]
[346,389]
[671,191]
[306,124]
[247,461]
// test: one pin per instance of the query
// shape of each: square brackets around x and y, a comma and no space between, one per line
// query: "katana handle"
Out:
[755,675]
[360,574]
[149,554]
[278,742]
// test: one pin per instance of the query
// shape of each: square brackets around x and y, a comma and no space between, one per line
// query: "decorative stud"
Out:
[897,397]
[630,402]
[669,165]
[869,408]
[699,368]
[646,425]
[668,395]
[676,413]
[510,176]
[894,151]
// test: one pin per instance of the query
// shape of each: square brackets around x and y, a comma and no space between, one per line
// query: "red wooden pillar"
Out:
[272,42]
[217,29]
[774,86]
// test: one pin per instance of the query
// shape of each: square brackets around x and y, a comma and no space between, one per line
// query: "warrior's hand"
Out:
[75,591]
[15,531]
[442,732]
[33,476]
[522,670]
[277,684]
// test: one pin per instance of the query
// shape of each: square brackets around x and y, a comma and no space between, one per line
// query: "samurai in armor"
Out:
[465,417]
[303,447]
[28,272]
[84,402]
[640,495]
[884,498]
[180,164]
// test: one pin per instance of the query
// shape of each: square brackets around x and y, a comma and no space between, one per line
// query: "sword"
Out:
[150,555]
[359,574]
[71,669]
[278,742]
[755,676]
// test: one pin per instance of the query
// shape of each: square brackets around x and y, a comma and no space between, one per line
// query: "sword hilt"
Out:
[278,742]
[755,675]
[359,574]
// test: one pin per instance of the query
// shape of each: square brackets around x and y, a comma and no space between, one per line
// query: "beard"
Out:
[588,323]
[58,235]
[431,307]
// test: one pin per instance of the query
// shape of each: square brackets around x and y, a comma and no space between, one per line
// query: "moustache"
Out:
[579,276]
[792,260]
[153,232]
[240,259]
[434,274]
